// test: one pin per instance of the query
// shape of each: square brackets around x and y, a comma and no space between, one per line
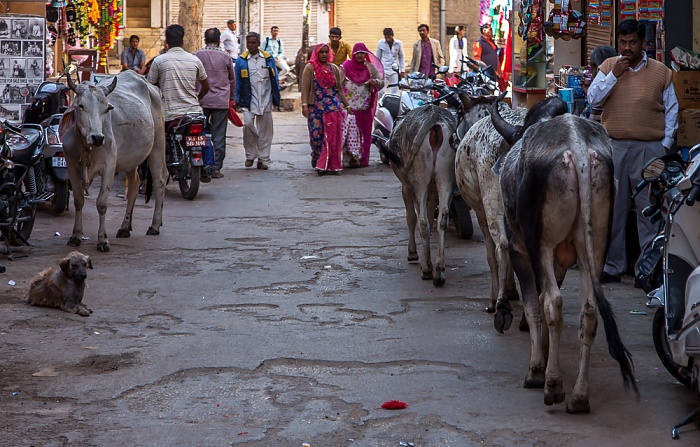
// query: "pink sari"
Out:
[359,74]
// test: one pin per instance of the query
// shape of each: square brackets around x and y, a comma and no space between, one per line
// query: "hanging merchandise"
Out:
[70,12]
[98,24]
[650,10]
[531,21]
[564,21]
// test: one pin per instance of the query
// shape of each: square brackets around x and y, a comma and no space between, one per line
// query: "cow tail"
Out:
[616,348]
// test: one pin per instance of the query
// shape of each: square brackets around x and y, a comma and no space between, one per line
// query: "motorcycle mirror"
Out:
[443,69]
[395,67]
[70,69]
[653,170]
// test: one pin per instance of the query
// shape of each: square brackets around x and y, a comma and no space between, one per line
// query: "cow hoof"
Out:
[491,309]
[103,247]
[412,257]
[535,379]
[427,275]
[578,404]
[502,320]
[122,233]
[74,241]
[439,281]
[152,232]
[554,392]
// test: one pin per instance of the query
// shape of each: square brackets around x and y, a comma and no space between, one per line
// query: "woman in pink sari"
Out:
[322,101]
[364,77]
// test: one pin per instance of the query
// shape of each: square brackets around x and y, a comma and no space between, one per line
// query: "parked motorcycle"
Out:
[672,269]
[50,101]
[21,177]
[479,80]
[185,152]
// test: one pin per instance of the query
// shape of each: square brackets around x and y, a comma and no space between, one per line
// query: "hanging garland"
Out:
[101,20]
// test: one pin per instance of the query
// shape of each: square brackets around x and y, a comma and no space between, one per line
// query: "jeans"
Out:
[217,120]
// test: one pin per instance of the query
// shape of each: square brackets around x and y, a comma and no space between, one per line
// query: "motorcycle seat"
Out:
[23,149]
[393,104]
[173,125]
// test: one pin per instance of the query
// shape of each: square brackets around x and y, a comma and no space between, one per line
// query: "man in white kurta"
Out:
[256,73]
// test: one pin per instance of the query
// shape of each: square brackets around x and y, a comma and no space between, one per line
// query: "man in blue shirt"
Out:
[273,45]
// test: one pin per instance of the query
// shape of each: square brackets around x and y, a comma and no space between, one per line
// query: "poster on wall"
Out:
[22,47]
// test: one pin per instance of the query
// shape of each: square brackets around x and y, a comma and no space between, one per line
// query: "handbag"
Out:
[233,116]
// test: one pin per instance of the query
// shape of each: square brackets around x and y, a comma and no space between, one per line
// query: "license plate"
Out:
[196,140]
[58,162]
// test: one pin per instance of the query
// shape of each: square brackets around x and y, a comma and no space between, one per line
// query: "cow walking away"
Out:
[423,160]
[113,127]
[558,188]
[479,187]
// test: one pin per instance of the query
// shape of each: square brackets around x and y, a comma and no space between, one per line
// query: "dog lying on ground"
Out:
[62,288]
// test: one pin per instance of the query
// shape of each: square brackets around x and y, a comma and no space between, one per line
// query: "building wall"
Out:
[696,27]
[457,12]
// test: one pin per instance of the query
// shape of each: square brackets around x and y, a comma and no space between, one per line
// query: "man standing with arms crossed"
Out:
[221,86]
[389,52]
[229,40]
[257,90]
[640,112]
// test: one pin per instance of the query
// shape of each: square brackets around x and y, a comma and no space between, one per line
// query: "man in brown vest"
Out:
[640,112]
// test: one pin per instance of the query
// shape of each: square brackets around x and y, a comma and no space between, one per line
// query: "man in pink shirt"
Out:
[426,52]
[215,103]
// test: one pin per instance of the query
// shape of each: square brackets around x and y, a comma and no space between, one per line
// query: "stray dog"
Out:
[62,288]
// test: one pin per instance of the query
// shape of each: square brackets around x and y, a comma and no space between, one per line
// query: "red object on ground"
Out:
[394,405]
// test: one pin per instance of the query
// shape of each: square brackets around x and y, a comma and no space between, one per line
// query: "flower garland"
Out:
[101,20]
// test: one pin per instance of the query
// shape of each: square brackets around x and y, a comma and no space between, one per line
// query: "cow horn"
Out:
[111,87]
[71,83]
[507,130]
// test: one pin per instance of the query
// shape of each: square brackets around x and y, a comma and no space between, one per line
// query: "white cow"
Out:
[102,137]
[479,187]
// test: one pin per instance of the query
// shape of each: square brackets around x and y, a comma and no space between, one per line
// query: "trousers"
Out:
[217,120]
[257,135]
[629,159]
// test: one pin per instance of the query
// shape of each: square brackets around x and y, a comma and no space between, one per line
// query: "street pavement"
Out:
[277,308]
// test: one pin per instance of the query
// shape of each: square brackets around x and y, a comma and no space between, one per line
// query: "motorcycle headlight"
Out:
[52,138]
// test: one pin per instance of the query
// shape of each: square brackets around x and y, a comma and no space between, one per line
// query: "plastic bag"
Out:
[352,139]
[233,115]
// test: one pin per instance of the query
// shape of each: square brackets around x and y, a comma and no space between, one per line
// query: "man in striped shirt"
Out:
[176,73]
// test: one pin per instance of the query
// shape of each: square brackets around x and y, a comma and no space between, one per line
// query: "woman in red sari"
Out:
[364,77]
[322,104]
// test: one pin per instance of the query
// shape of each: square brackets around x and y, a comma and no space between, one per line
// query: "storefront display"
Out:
[22,39]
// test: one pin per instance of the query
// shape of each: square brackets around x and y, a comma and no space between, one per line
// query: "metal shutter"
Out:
[288,15]
[364,20]
[598,35]
[216,13]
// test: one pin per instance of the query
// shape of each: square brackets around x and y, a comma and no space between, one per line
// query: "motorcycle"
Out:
[290,78]
[670,274]
[478,80]
[21,177]
[46,109]
[186,146]
[416,90]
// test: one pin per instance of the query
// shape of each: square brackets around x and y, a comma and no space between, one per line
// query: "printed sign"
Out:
[22,53]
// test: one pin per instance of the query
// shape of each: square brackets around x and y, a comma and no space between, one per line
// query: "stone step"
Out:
[290,101]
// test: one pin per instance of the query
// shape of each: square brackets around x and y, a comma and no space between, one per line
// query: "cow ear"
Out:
[109,107]
[89,262]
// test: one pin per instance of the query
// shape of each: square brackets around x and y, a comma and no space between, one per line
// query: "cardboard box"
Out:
[688,133]
[687,87]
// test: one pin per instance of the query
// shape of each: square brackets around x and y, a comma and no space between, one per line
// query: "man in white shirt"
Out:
[229,40]
[390,51]
[458,50]
[273,45]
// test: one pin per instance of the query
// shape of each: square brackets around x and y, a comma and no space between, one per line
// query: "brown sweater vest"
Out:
[634,110]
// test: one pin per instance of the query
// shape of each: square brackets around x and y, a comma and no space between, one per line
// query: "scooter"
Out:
[672,269]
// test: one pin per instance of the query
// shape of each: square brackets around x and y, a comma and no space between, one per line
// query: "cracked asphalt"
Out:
[278,308]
